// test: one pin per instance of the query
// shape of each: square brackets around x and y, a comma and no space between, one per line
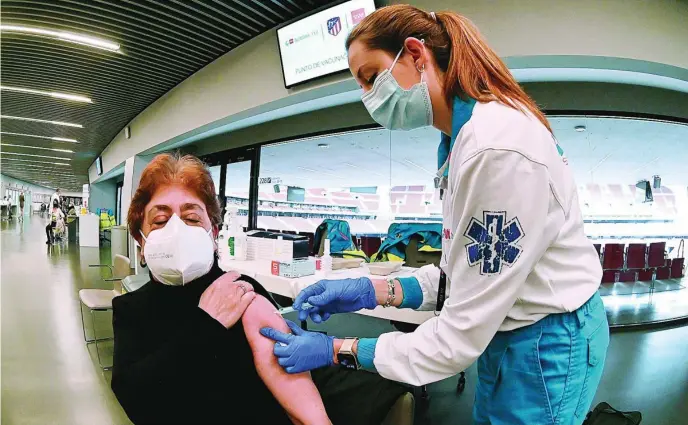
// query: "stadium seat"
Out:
[656,254]
[370,245]
[613,257]
[609,276]
[663,273]
[635,256]
[677,270]
[628,276]
[645,275]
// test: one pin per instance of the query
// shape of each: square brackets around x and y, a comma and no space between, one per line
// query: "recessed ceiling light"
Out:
[58,139]
[58,95]
[87,40]
[36,156]
[579,128]
[37,147]
[66,124]
[36,162]
[44,165]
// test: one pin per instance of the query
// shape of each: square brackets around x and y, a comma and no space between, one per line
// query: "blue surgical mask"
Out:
[395,108]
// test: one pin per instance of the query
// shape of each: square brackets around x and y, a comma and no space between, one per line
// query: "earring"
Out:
[422,69]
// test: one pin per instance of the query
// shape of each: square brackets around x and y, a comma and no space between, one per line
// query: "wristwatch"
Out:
[346,356]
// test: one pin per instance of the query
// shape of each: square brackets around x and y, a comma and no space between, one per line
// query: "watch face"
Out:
[348,361]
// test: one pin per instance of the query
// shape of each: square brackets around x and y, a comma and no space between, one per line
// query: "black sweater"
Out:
[174,364]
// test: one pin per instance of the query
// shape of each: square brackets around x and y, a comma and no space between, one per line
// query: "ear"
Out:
[418,52]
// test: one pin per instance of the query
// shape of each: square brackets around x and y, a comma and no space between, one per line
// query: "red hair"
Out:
[471,68]
[173,169]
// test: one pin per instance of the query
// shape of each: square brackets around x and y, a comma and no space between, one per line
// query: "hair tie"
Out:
[434,17]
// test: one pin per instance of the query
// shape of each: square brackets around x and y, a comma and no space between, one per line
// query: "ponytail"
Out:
[471,68]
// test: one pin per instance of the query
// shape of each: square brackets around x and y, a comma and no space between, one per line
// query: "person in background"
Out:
[21,206]
[55,214]
[187,344]
[9,207]
[56,196]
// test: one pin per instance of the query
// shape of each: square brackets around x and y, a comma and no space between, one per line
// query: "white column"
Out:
[133,167]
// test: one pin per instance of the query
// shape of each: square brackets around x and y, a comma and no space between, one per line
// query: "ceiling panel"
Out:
[162,43]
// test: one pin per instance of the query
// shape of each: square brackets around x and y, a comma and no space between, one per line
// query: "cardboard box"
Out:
[263,245]
[294,268]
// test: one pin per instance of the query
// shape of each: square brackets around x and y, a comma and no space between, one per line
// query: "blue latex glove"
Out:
[335,296]
[301,351]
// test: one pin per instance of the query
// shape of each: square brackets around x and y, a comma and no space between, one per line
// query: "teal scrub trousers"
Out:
[546,373]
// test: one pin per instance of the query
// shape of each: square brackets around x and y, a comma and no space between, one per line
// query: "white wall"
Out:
[248,80]
[7,182]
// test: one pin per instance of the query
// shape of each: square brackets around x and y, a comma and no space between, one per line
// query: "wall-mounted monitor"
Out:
[313,47]
[99,165]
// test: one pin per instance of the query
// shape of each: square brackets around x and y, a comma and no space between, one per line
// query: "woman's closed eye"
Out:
[192,219]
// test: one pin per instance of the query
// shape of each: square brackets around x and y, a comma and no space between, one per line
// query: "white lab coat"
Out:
[508,185]
[53,198]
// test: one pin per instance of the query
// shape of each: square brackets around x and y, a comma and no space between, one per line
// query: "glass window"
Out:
[343,176]
[237,188]
[631,176]
[374,177]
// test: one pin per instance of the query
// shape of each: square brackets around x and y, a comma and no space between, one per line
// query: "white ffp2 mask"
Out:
[177,253]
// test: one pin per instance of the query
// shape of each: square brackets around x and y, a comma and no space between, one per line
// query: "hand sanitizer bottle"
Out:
[326,260]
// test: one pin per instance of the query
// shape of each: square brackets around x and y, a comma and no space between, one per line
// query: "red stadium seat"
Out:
[655,255]
[635,257]
[677,270]
[613,258]
[663,273]
[628,276]
[609,276]
[370,245]
[645,275]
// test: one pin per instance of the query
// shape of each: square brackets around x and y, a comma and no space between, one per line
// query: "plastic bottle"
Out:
[326,260]
[231,218]
[222,247]
[240,241]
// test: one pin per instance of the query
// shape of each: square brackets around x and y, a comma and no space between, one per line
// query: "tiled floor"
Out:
[49,377]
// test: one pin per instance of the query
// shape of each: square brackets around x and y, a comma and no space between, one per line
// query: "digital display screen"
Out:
[313,47]
[99,165]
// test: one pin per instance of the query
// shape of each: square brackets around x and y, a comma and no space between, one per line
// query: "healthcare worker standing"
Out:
[519,274]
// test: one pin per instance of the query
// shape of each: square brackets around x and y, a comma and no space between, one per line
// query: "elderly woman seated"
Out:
[187,344]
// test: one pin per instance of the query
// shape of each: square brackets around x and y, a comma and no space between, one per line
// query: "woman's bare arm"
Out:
[296,393]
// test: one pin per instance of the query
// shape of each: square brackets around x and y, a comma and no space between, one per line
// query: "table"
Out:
[290,287]
[89,230]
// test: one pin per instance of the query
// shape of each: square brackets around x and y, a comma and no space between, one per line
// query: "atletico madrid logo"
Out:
[334,25]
